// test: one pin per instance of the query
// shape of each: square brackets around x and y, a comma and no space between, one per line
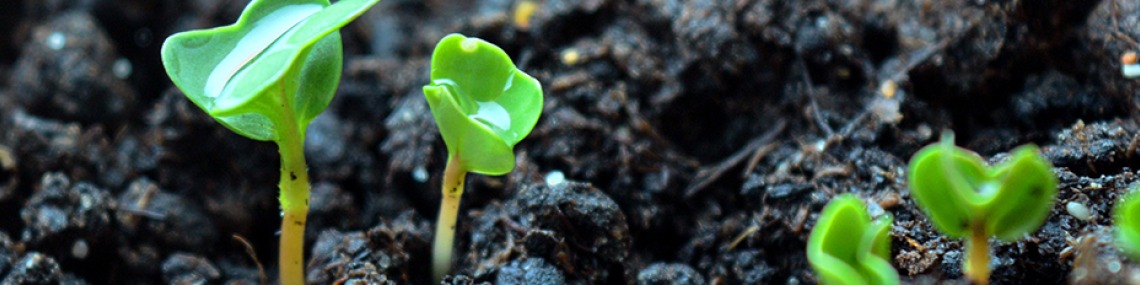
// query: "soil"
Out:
[698,139]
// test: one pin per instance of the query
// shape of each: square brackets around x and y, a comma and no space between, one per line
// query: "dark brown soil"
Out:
[699,139]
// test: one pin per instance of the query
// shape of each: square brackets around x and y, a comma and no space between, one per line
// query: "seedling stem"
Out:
[978,256]
[453,176]
[294,187]
[969,200]
[483,106]
[266,77]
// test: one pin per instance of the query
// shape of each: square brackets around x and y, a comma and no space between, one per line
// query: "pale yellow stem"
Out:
[978,257]
[294,198]
[453,176]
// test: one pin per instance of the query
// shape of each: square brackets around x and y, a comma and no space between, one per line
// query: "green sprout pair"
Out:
[847,247]
[967,200]
[267,77]
[483,106]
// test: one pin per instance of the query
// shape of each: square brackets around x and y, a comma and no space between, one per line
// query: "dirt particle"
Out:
[183,268]
[669,274]
[34,268]
[65,72]
[533,270]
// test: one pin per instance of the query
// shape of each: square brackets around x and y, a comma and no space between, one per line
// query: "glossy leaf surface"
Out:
[847,247]
[482,104]
[279,53]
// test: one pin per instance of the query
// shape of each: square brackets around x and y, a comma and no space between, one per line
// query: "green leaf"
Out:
[279,53]
[1028,188]
[876,251]
[1126,216]
[481,102]
[838,259]
[942,180]
[960,194]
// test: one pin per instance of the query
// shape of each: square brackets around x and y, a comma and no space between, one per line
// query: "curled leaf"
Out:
[839,259]
[279,54]
[482,104]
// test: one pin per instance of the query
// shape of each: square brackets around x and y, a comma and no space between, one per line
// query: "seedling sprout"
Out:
[266,77]
[968,200]
[847,247]
[483,106]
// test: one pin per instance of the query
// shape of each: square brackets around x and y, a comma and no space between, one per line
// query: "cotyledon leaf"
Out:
[847,247]
[482,104]
[960,194]
[240,73]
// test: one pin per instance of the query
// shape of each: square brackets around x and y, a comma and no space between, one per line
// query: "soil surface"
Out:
[682,142]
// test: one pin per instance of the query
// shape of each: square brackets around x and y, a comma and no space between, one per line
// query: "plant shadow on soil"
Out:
[700,139]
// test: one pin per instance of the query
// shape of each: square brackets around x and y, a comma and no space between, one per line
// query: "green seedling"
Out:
[847,247]
[968,200]
[1127,219]
[483,106]
[266,77]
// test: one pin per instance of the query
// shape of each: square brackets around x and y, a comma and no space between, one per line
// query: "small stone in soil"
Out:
[79,249]
[66,72]
[532,270]
[59,209]
[384,253]
[581,215]
[152,213]
[669,274]
[35,268]
[460,280]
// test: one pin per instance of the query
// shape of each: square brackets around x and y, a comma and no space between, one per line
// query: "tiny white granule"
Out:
[121,68]
[1078,210]
[420,174]
[555,177]
[1130,70]
[79,249]
[56,40]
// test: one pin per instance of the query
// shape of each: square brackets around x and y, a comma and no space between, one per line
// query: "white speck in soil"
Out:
[820,145]
[1079,274]
[1114,266]
[555,177]
[420,174]
[1078,210]
[1130,70]
[793,280]
[85,202]
[121,68]
[875,209]
[56,40]
[79,249]
[924,131]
